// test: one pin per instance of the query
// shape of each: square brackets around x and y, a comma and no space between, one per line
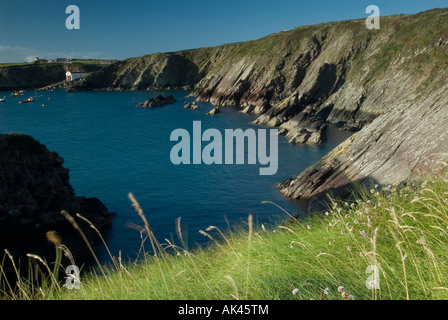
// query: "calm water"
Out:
[113,147]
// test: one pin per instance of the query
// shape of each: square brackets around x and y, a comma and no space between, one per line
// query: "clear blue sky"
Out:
[123,29]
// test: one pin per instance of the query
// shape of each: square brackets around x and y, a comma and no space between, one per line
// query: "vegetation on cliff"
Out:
[298,80]
[344,71]
[36,75]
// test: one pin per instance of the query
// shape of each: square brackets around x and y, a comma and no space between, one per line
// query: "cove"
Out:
[112,147]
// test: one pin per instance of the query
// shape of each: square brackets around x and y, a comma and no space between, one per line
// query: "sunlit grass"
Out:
[401,232]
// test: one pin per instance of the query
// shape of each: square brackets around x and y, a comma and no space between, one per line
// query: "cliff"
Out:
[388,83]
[338,72]
[34,189]
[402,143]
[38,75]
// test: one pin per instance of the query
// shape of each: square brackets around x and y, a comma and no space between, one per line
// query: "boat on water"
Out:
[30,99]
[3,99]
[17,93]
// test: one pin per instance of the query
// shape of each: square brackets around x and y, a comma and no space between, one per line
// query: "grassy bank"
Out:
[44,63]
[401,232]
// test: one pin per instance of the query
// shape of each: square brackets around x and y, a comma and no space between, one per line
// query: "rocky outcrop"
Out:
[305,129]
[391,149]
[157,101]
[191,105]
[214,111]
[34,189]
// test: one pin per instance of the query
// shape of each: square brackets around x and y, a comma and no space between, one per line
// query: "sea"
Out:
[112,148]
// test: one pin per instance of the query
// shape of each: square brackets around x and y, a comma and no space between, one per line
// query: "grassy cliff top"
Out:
[398,232]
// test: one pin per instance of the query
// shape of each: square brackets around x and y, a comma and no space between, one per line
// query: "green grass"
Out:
[23,64]
[401,231]
[44,63]
[93,61]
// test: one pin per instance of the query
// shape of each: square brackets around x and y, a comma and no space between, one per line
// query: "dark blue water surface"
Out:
[112,147]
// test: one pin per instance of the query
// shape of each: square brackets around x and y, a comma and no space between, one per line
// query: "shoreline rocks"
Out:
[191,105]
[214,111]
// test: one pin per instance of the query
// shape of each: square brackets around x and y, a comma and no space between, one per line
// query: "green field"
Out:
[45,63]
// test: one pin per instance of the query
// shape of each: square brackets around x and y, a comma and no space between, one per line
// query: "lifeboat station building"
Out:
[72,75]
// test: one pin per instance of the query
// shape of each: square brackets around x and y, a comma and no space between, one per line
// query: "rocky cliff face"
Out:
[34,189]
[388,83]
[337,72]
[395,146]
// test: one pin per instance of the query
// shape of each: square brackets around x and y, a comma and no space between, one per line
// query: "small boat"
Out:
[30,99]
[18,93]
[3,99]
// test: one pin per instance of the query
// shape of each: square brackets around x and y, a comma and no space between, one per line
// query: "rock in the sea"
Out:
[191,105]
[214,111]
[157,101]
[34,189]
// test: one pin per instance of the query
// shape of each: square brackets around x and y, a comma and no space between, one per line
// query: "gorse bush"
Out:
[389,243]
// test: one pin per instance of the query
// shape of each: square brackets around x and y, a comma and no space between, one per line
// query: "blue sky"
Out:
[122,29]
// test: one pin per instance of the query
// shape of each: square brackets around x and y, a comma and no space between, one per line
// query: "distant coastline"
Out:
[41,73]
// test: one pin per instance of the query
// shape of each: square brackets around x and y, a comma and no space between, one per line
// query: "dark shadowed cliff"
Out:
[34,189]
[391,83]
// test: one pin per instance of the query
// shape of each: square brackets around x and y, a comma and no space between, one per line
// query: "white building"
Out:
[69,76]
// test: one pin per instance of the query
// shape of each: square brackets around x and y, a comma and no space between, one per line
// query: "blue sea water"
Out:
[112,147]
